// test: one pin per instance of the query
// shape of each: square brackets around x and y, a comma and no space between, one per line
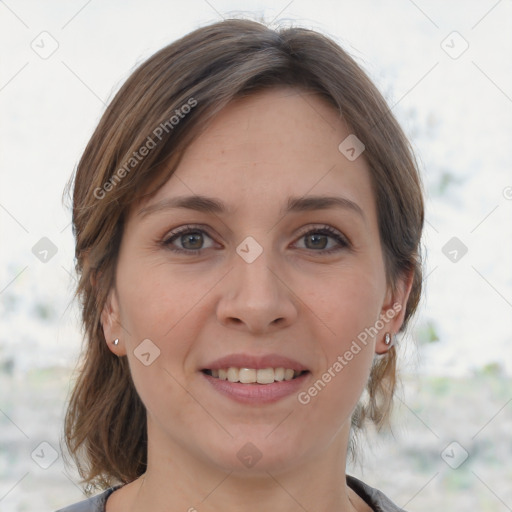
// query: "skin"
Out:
[294,300]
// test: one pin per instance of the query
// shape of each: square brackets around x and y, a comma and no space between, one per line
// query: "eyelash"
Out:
[324,230]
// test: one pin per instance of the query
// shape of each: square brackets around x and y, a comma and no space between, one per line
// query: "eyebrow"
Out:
[211,205]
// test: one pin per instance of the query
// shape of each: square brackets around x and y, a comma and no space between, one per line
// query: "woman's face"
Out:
[272,275]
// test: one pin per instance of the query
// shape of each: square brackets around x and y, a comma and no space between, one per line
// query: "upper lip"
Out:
[256,362]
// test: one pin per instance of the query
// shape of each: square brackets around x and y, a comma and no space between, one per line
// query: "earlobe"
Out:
[111,324]
[384,342]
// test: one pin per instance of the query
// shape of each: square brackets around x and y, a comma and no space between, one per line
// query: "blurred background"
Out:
[446,72]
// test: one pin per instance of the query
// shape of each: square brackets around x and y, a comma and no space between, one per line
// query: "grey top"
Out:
[378,501]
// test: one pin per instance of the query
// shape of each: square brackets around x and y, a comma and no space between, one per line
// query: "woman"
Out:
[247,216]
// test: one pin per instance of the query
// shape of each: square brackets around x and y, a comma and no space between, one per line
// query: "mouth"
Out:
[255,379]
[263,376]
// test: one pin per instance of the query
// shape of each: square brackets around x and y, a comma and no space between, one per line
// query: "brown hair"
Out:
[105,423]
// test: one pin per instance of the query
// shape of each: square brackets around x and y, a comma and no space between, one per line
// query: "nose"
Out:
[256,297]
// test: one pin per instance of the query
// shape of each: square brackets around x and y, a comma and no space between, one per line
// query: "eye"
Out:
[317,240]
[190,237]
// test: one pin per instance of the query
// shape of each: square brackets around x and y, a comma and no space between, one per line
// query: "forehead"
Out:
[269,146]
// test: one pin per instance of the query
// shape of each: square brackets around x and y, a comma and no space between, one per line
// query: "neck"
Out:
[176,479]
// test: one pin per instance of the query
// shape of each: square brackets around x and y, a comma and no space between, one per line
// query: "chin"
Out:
[257,454]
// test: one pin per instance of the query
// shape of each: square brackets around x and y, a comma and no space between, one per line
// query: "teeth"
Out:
[246,375]
[263,376]
[279,374]
[233,375]
[251,375]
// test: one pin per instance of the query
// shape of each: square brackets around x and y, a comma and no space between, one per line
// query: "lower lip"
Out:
[257,393]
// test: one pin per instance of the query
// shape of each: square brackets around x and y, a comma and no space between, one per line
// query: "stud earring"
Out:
[387,338]
[116,341]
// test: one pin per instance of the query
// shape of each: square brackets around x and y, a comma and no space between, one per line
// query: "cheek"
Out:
[158,301]
[165,307]
[338,384]
[348,302]
[347,307]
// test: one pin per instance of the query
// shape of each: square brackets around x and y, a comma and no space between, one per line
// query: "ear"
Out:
[109,318]
[110,321]
[393,310]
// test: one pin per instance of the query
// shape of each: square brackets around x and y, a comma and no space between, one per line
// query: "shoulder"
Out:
[94,504]
[377,500]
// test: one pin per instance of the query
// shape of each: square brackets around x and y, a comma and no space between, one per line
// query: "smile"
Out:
[245,388]
[253,376]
